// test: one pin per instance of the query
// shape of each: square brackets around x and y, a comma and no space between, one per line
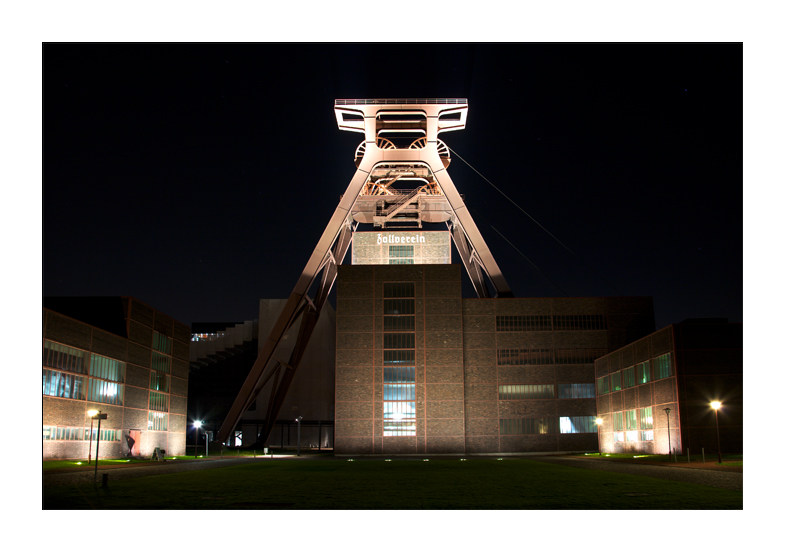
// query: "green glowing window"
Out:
[107,368]
[159,381]
[162,343]
[159,402]
[65,358]
[618,421]
[616,381]
[643,373]
[162,363]
[602,383]
[662,366]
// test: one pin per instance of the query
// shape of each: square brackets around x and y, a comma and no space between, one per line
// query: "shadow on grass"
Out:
[397,485]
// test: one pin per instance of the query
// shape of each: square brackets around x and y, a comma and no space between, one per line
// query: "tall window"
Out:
[647,424]
[162,343]
[643,373]
[618,426]
[109,388]
[65,358]
[399,356]
[159,383]
[157,421]
[662,366]
[631,425]
[616,381]
[628,377]
[602,384]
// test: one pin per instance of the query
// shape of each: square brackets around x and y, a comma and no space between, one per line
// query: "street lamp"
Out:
[197,425]
[598,421]
[716,406]
[668,413]
[298,433]
[92,414]
[98,416]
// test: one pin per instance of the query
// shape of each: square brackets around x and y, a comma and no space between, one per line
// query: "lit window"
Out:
[64,386]
[616,381]
[577,424]
[399,404]
[662,366]
[643,373]
[576,390]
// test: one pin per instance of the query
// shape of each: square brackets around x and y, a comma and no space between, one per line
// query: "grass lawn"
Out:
[729,459]
[396,485]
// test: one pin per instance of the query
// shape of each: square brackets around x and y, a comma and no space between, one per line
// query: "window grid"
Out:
[528,426]
[662,366]
[576,390]
[159,402]
[157,421]
[64,386]
[577,424]
[524,357]
[106,392]
[107,368]
[521,323]
[525,392]
[562,322]
[159,381]
[643,373]
[399,341]
[628,377]
[398,323]
[162,343]
[162,363]
[616,381]
[579,356]
[401,251]
[65,358]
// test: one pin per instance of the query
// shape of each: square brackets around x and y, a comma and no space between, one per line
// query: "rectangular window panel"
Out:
[399,306]
[524,357]
[630,420]
[520,323]
[398,323]
[525,392]
[162,343]
[662,366]
[107,368]
[159,381]
[528,426]
[159,402]
[618,421]
[401,251]
[628,377]
[162,363]
[65,358]
[399,410]
[576,390]
[157,421]
[106,392]
[616,381]
[106,434]
[399,358]
[399,341]
[399,392]
[393,428]
[577,424]
[643,373]
[401,261]
[647,435]
[579,322]
[64,386]
[646,418]
[603,385]
[579,356]
[399,374]
[399,289]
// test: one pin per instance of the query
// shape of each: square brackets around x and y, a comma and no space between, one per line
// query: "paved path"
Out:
[711,476]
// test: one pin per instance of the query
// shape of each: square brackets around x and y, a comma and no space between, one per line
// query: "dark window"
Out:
[562,322]
[576,390]
[524,357]
[523,323]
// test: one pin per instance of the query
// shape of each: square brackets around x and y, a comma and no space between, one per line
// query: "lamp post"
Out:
[197,425]
[598,421]
[298,433]
[98,416]
[668,413]
[92,414]
[716,406]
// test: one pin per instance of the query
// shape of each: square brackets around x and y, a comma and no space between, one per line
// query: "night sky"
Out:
[199,178]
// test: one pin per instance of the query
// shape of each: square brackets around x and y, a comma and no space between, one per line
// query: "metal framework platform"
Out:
[401,181]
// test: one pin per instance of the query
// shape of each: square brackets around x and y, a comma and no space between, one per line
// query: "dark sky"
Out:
[198,178]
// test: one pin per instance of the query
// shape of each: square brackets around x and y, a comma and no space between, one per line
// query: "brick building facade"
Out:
[122,357]
[419,369]
[682,367]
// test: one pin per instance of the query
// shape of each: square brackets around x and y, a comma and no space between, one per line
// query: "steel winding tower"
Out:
[401,182]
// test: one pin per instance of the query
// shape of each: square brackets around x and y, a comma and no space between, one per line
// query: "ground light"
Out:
[716,406]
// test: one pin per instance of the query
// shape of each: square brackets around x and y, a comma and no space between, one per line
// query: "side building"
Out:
[420,370]
[123,358]
[654,395]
